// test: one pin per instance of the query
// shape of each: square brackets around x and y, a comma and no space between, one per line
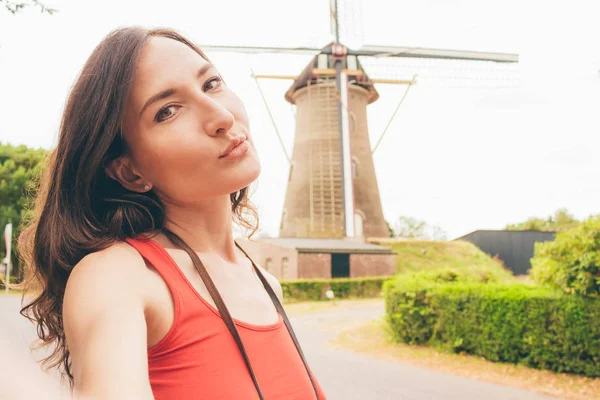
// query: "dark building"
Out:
[514,248]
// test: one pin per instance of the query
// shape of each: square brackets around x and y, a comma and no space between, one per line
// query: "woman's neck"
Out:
[206,228]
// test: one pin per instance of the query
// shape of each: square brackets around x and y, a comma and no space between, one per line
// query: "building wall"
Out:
[314,265]
[514,248]
[261,252]
[372,265]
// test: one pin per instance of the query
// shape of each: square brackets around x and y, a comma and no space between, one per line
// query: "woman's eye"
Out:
[213,83]
[166,112]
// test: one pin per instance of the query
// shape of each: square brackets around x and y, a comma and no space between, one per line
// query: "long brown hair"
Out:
[79,209]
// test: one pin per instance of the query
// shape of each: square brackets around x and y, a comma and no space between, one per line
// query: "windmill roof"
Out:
[307,75]
[329,245]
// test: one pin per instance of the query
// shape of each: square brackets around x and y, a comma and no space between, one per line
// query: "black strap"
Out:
[279,308]
[224,312]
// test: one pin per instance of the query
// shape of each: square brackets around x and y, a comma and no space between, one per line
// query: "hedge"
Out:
[344,288]
[516,323]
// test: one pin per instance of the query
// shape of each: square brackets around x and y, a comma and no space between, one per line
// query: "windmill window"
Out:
[352,64]
[284,267]
[352,119]
[354,167]
[269,264]
[358,224]
[322,61]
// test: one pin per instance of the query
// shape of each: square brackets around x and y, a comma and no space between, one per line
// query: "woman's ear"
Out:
[123,171]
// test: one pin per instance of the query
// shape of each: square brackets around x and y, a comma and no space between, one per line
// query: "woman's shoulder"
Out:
[108,270]
[118,258]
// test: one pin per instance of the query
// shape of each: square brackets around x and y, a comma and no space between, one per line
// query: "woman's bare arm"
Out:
[105,326]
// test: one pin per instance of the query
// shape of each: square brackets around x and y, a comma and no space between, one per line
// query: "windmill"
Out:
[332,188]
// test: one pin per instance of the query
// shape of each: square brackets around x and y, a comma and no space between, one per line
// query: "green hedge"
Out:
[344,288]
[517,323]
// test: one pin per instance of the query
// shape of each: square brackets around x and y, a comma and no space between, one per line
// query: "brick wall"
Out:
[314,265]
[372,265]
[271,257]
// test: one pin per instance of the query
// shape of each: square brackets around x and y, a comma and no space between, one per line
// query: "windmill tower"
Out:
[315,198]
[332,187]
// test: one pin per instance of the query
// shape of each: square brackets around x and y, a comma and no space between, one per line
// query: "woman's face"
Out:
[179,119]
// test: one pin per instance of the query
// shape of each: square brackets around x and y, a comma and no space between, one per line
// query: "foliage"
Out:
[517,323]
[572,261]
[14,7]
[390,229]
[410,227]
[20,168]
[344,288]
[413,228]
[561,220]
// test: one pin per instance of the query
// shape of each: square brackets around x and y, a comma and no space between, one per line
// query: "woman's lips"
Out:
[238,150]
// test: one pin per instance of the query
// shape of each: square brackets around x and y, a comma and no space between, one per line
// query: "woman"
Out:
[132,239]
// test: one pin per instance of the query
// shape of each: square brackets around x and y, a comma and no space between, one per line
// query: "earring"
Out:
[146,188]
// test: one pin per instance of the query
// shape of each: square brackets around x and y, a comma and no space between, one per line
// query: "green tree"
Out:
[414,228]
[437,233]
[20,169]
[572,261]
[390,229]
[410,227]
[561,220]
[15,6]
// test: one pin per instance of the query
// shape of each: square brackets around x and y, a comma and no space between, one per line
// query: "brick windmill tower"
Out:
[332,190]
[319,201]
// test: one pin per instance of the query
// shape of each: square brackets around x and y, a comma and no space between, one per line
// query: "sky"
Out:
[462,158]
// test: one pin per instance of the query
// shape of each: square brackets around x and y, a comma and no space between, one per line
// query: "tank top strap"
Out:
[160,260]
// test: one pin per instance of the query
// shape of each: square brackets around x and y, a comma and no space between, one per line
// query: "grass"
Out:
[374,339]
[423,255]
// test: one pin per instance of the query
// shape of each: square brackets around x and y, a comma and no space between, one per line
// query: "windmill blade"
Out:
[334,20]
[261,49]
[450,73]
[349,18]
[421,52]
[392,117]
[262,95]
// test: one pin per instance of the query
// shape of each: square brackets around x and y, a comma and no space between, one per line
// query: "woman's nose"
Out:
[218,119]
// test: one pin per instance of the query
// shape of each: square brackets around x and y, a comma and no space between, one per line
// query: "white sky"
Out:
[463,159]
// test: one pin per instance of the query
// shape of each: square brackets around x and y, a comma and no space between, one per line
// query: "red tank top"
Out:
[199,359]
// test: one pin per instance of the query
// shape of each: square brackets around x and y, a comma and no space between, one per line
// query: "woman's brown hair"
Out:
[79,209]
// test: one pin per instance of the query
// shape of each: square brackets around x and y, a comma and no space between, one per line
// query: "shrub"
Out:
[517,323]
[344,288]
[572,261]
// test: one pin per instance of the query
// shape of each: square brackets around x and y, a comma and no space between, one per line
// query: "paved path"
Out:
[343,376]
[349,376]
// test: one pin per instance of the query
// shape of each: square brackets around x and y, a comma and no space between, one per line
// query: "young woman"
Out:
[144,292]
